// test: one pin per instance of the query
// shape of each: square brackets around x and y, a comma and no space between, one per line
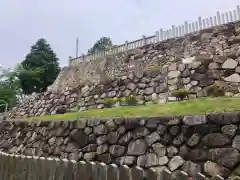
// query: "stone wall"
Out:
[208,144]
[193,62]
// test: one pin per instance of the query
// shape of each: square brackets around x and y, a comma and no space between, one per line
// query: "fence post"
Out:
[126,45]
[112,172]
[166,175]
[180,30]
[211,22]
[238,11]
[137,173]
[69,60]
[219,18]
[124,173]
[208,23]
[161,34]
[200,23]
[157,36]
[200,176]
[190,28]
[182,176]
[223,18]
[173,31]
[204,24]
[231,16]
[227,17]
[152,174]
[144,40]
[215,20]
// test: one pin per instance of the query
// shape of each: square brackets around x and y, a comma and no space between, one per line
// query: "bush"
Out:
[111,101]
[123,101]
[131,100]
[154,68]
[215,90]
[181,94]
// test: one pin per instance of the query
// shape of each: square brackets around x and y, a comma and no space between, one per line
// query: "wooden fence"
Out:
[161,35]
[15,167]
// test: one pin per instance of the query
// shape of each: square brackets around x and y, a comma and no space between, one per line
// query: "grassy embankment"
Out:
[188,107]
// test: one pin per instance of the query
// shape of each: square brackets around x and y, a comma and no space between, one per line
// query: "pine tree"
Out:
[103,44]
[39,69]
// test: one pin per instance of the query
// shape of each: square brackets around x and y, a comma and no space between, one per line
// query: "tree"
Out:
[103,44]
[39,69]
[10,91]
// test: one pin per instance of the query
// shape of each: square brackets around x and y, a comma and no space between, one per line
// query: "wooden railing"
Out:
[161,35]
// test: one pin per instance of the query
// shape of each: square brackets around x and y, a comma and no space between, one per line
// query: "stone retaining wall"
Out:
[193,62]
[209,144]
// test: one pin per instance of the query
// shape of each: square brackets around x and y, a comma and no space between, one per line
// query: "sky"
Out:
[60,22]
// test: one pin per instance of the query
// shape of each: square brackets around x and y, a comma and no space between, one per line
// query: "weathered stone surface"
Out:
[236,142]
[172,151]
[79,137]
[117,150]
[159,149]
[140,132]
[152,138]
[161,129]
[125,139]
[229,130]
[229,64]
[163,160]
[89,156]
[129,160]
[213,169]
[215,140]
[148,160]
[227,157]
[194,140]
[137,148]
[174,74]
[112,137]
[235,78]
[226,118]
[102,149]
[179,140]
[191,168]
[100,129]
[175,163]
[149,142]
[194,120]
[174,130]
[199,154]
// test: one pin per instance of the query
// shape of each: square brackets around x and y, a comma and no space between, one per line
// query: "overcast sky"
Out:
[60,22]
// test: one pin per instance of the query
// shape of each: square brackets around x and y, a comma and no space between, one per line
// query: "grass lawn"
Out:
[188,107]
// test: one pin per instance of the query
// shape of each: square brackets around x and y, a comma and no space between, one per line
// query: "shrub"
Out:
[75,109]
[215,90]
[181,94]
[111,101]
[131,100]
[124,101]
[154,68]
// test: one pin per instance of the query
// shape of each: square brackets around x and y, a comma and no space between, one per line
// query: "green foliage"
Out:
[101,45]
[154,68]
[215,90]
[75,109]
[10,91]
[112,101]
[181,94]
[127,101]
[131,100]
[39,69]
